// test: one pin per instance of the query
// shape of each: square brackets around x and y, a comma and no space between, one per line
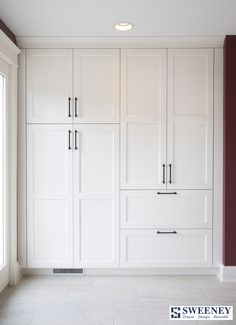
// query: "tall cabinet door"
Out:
[143,119]
[190,118]
[49,86]
[96,195]
[49,199]
[96,86]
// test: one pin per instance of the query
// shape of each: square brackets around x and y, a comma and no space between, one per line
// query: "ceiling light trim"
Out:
[124,26]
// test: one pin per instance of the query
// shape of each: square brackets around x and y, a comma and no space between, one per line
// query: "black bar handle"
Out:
[69,141]
[164,174]
[76,112]
[170,178]
[69,110]
[170,193]
[167,232]
[76,146]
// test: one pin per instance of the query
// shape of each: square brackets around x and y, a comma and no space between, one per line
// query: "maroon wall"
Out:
[7,31]
[229,236]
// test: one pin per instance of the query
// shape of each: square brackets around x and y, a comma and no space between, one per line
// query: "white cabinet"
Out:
[95,75]
[174,152]
[49,199]
[190,118]
[96,195]
[166,248]
[143,123]
[49,86]
[73,99]
[163,209]
[96,85]
[73,195]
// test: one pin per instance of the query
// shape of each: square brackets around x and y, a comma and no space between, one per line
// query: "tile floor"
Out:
[111,300]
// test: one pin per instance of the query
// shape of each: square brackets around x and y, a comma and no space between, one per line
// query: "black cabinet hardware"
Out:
[76,112]
[170,193]
[164,173]
[76,146]
[167,232]
[170,176]
[69,141]
[69,104]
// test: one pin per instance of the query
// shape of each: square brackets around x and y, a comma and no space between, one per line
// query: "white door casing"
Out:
[4,176]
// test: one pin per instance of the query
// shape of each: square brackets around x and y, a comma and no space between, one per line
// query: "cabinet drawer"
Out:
[185,248]
[148,209]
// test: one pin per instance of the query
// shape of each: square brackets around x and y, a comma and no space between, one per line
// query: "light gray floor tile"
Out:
[118,300]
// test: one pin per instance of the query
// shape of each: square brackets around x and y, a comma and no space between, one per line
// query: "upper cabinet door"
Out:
[190,118]
[143,122]
[49,86]
[96,86]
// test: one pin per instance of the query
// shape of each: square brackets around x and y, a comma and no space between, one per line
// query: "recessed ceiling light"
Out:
[124,26]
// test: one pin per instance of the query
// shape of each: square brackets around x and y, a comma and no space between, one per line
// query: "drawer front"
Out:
[148,209]
[186,248]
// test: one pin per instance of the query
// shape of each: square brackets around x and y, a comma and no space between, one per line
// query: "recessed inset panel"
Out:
[190,154]
[51,239]
[97,231]
[190,82]
[143,81]
[97,159]
[49,174]
[49,86]
[97,85]
[143,150]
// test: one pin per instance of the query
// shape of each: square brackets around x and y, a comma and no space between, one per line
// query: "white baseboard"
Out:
[15,275]
[227,273]
[129,271]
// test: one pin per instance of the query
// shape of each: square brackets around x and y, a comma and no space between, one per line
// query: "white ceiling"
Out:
[97,17]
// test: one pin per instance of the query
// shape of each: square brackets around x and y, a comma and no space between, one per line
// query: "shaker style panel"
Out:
[143,155]
[49,86]
[96,85]
[49,196]
[163,209]
[166,248]
[190,119]
[143,119]
[96,195]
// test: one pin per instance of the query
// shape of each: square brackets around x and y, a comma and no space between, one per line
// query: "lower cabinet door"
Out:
[96,195]
[49,196]
[166,248]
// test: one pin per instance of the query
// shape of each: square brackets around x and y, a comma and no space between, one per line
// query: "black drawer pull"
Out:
[167,232]
[69,101]
[170,178]
[76,146]
[76,113]
[164,174]
[170,193]
[69,140]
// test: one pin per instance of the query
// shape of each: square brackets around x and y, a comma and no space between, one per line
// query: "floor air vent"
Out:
[68,271]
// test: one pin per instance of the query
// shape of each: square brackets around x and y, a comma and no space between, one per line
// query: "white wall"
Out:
[96,18]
